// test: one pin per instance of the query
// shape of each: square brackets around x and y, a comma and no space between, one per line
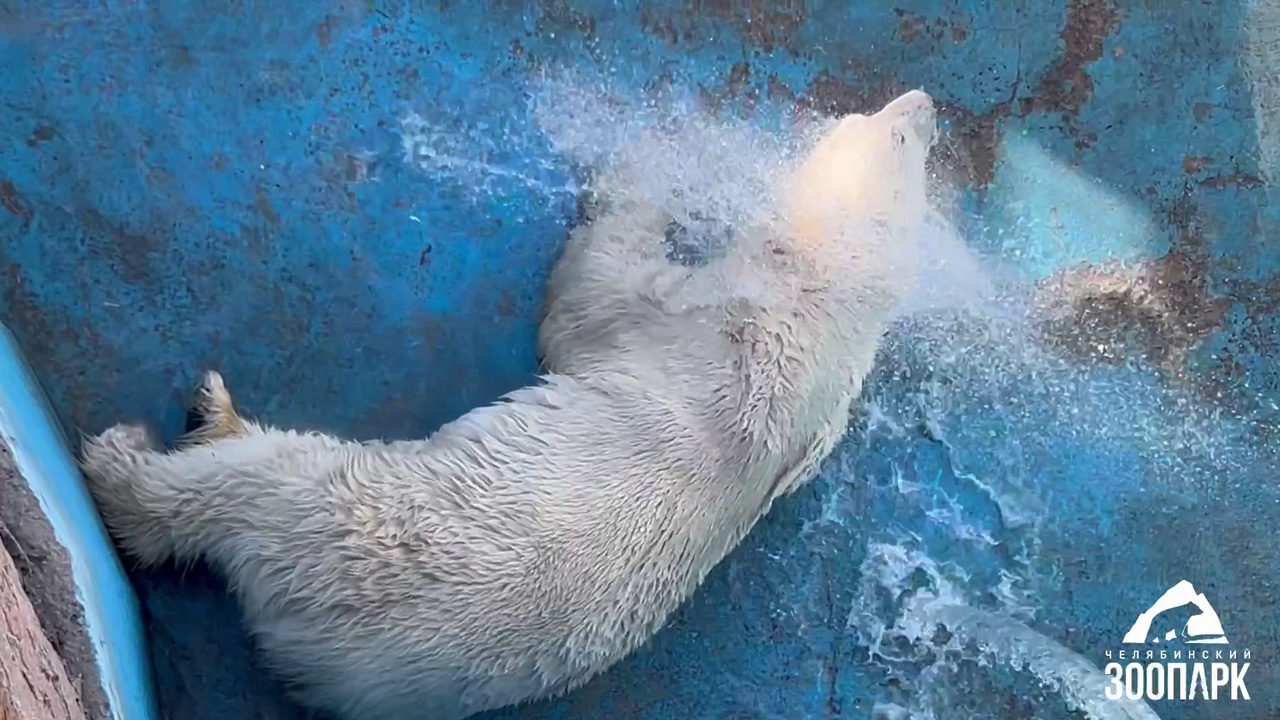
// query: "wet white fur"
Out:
[529,545]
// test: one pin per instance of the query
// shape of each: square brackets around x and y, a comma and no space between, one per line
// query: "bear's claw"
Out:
[212,415]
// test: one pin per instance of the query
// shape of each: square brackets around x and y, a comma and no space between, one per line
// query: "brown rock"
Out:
[33,682]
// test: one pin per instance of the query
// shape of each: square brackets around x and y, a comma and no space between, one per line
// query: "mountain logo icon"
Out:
[1201,627]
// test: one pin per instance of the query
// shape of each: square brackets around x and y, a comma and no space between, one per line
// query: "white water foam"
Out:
[668,150]
[931,598]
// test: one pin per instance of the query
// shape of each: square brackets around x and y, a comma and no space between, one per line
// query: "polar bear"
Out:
[529,545]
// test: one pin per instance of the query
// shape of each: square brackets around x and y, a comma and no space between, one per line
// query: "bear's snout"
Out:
[915,113]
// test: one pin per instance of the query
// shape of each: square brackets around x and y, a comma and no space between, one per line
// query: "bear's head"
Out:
[834,263]
[854,210]
[860,194]
[824,249]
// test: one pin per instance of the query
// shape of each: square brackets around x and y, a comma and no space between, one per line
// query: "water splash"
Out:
[950,276]
[1079,681]
[937,628]
[464,155]
[976,426]
[662,147]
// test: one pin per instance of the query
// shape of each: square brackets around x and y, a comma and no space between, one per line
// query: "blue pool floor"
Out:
[350,210]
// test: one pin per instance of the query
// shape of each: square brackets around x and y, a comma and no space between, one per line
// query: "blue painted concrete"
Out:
[40,452]
[195,184]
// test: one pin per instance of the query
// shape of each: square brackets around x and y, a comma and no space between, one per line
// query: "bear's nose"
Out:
[916,114]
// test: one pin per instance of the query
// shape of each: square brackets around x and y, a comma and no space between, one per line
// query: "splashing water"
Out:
[931,601]
[978,395]
[667,150]
[1079,681]
[949,275]
[465,156]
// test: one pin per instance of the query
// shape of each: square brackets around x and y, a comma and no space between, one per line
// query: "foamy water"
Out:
[666,151]
[966,550]
[933,596]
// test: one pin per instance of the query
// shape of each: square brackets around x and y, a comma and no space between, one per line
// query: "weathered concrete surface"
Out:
[34,683]
[42,565]
[192,184]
